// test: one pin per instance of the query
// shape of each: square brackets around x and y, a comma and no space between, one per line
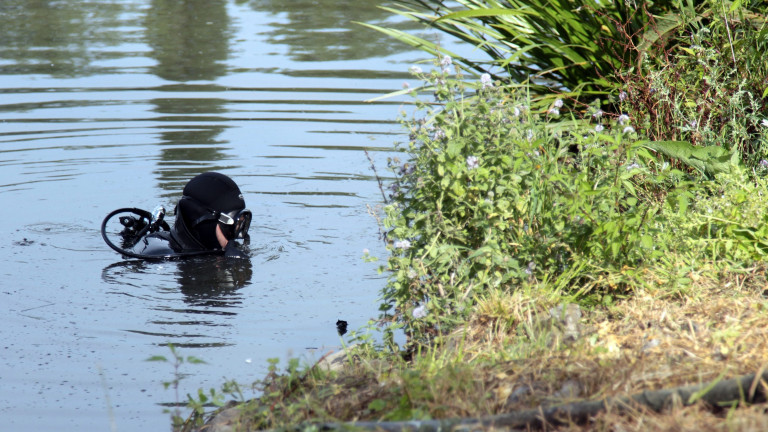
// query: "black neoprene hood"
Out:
[215,191]
[205,194]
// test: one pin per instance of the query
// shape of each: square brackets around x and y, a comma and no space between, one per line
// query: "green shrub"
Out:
[710,88]
[495,194]
[726,222]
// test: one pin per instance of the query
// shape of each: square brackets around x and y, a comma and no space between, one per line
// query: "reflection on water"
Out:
[189,39]
[118,103]
[209,287]
[324,30]
[213,282]
[62,38]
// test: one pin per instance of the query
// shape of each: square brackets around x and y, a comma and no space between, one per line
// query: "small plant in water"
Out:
[177,361]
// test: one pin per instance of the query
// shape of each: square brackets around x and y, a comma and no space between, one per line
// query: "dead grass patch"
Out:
[514,355]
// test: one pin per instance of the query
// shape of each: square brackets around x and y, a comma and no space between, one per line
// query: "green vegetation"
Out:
[584,218]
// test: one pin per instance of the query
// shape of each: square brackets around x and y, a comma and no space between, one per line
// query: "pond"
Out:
[109,104]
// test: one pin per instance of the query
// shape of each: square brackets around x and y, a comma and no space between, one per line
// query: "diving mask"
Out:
[237,223]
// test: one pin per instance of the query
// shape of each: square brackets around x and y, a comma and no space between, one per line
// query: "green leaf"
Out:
[478,13]
[377,405]
[710,160]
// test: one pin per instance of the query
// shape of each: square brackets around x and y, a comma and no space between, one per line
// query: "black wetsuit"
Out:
[204,199]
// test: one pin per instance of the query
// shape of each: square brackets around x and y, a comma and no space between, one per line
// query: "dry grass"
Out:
[512,355]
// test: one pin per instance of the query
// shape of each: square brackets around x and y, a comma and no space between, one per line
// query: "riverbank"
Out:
[525,351]
[585,254]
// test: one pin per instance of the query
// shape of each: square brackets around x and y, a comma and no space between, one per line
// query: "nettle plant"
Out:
[497,194]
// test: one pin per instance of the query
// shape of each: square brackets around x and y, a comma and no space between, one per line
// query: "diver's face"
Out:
[220,237]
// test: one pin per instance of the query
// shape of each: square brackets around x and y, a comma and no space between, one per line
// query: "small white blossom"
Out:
[517,112]
[628,130]
[529,135]
[554,111]
[558,103]
[599,113]
[623,119]
[599,128]
[439,134]
[472,162]
[530,268]
[764,123]
[366,251]
[415,70]
[446,62]
[485,79]
[420,311]
[622,96]
[403,244]
[406,85]
[632,166]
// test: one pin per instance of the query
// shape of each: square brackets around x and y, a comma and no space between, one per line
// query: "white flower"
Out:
[622,96]
[446,61]
[403,244]
[439,134]
[628,130]
[559,103]
[406,85]
[599,113]
[485,79]
[764,123]
[529,135]
[415,70]
[517,112]
[554,111]
[472,162]
[420,311]
[599,128]
[623,118]
[632,166]
[366,251]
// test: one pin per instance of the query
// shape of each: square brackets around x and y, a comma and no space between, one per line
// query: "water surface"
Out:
[108,104]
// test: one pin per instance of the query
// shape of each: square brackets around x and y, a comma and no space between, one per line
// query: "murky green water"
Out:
[107,104]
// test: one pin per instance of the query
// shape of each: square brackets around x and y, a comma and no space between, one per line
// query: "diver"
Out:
[210,218]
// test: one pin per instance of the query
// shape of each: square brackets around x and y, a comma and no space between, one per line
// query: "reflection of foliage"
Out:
[189,38]
[56,37]
[187,149]
[325,30]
